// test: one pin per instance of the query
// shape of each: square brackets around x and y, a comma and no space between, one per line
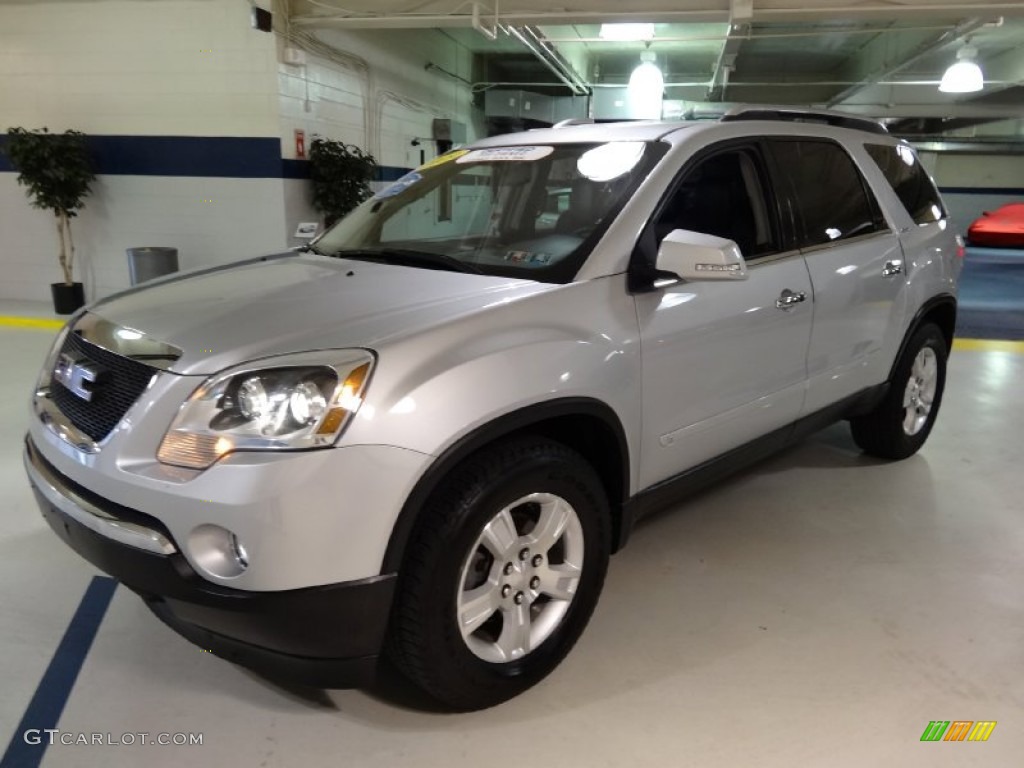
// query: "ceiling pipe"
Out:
[740,14]
[752,35]
[486,85]
[478,25]
[533,40]
[525,18]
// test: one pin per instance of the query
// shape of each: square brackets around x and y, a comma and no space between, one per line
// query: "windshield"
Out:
[525,211]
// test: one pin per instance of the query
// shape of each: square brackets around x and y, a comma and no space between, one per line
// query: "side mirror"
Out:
[696,256]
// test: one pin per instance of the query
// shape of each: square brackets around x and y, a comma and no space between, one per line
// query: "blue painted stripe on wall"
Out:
[299,169]
[226,156]
[239,157]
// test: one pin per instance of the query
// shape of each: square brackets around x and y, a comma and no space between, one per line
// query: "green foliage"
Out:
[55,167]
[341,175]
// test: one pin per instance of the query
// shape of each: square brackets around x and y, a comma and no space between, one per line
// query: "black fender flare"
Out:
[507,424]
[943,299]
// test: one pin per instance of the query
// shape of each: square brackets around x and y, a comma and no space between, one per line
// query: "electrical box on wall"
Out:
[294,56]
[445,129]
[262,20]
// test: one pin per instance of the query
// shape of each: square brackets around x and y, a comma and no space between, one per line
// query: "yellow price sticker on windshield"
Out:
[447,157]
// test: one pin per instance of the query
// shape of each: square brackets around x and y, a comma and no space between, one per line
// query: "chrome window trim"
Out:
[79,509]
[847,241]
[772,258]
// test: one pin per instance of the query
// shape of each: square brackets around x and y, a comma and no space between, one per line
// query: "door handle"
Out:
[892,268]
[789,299]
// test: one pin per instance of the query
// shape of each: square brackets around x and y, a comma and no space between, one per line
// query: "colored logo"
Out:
[958,730]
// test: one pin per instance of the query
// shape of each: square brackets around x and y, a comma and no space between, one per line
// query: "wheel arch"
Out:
[940,310]
[588,426]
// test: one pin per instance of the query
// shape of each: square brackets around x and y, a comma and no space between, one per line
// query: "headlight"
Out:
[284,403]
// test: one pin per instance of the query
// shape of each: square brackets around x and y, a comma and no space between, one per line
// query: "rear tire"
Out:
[501,574]
[900,424]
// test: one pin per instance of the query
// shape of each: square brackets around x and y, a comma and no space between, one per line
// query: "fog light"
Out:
[217,551]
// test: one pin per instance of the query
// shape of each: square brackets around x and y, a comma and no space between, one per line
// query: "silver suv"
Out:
[423,437]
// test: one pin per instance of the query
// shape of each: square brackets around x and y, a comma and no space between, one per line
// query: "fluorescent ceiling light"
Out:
[627,32]
[965,75]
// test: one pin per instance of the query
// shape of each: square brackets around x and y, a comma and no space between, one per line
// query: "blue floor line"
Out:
[54,688]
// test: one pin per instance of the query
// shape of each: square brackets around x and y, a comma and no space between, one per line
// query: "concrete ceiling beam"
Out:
[741,12]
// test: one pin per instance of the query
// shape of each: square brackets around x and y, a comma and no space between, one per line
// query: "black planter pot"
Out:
[67,298]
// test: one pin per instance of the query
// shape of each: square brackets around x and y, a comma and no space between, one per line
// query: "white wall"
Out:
[164,67]
[381,107]
[989,175]
[402,97]
[209,221]
[197,68]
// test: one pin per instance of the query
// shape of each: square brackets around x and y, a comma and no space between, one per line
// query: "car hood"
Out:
[225,316]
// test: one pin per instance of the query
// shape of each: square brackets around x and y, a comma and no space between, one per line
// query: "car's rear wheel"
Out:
[502,573]
[901,423]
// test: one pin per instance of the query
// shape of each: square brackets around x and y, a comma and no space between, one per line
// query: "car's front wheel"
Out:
[502,573]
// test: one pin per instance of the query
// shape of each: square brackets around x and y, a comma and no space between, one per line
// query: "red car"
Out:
[1002,227]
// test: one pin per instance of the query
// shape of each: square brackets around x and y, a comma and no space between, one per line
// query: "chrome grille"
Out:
[120,382]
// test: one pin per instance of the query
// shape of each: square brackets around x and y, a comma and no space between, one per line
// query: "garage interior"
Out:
[819,609]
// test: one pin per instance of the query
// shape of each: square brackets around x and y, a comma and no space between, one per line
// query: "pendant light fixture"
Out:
[964,76]
[646,89]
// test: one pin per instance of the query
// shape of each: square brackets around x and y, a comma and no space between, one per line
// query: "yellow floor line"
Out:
[36,323]
[988,345]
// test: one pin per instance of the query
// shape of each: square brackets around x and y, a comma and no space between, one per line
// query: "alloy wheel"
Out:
[520,577]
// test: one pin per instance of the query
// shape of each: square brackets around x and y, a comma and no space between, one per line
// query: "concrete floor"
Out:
[817,610]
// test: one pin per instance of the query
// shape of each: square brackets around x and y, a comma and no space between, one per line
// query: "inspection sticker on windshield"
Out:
[399,186]
[447,157]
[505,154]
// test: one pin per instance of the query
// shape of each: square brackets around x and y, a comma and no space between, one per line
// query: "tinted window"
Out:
[722,196]
[909,180]
[832,199]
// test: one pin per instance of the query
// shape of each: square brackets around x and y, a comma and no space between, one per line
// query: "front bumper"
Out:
[328,636]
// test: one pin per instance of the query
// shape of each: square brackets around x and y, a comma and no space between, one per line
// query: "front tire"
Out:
[502,573]
[901,423]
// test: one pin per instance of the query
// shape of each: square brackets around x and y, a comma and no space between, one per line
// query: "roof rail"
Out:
[798,115]
[573,121]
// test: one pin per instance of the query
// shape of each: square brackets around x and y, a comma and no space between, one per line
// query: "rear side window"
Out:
[909,180]
[833,201]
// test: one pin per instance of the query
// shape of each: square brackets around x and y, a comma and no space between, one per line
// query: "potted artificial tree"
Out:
[56,169]
[341,175]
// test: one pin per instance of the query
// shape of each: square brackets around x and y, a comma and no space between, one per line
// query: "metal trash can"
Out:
[151,262]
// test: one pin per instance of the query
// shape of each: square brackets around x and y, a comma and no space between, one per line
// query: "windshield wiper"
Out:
[409,257]
[307,248]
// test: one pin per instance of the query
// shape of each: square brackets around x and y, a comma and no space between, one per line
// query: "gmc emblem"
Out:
[75,375]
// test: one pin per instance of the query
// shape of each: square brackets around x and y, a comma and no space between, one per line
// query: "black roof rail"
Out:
[797,115]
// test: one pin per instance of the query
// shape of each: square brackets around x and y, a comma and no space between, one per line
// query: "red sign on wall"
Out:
[300,144]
